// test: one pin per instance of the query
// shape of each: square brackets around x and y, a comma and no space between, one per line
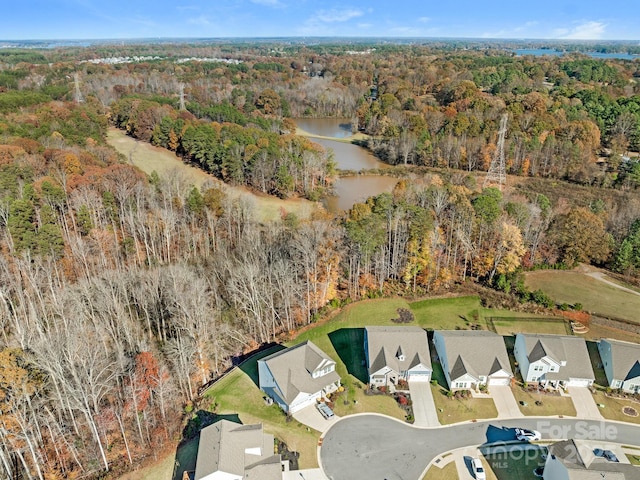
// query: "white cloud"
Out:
[585,31]
[525,30]
[424,19]
[335,15]
[365,25]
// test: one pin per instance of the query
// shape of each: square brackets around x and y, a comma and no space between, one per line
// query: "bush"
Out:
[404,316]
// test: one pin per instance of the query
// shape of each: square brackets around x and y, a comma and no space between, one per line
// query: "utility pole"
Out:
[78,94]
[182,105]
[497,174]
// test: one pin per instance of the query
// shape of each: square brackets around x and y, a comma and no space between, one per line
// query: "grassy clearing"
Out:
[613,408]
[505,326]
[551,404]
[515,467]
[447,313]
[595,296]
[149,158]
[453,410]
[163,469]
[597,332]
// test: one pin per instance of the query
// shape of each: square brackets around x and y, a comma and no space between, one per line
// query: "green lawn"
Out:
[506,326]
[595,296]
[634,458]
[551,404]
[516,467]
[448,313]
[453,410]
[613,408]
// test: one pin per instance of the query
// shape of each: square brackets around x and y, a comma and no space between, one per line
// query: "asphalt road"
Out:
[375,447]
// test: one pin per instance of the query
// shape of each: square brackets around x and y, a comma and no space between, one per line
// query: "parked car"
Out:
[525,435]
[478,469]
[324,410]
[608,454]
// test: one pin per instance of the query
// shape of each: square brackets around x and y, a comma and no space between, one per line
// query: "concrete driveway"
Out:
[311,417]
[424,410]
[585,404]
[506,403]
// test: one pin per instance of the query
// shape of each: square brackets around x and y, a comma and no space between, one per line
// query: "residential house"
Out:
[575,459]
[298,376]
[471,358]
[621,362]
[396,353]
[554,360]
[230,451]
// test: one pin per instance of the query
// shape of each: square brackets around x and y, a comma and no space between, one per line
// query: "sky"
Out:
[120,19]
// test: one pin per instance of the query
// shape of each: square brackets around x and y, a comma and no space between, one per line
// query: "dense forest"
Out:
[122,293]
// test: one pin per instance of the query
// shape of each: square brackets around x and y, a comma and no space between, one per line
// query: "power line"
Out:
[497,173]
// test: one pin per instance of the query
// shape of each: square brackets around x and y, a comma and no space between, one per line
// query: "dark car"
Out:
[608,454]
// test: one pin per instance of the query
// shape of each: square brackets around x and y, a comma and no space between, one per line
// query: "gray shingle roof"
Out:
[582,464]
[476,352]
[561,348]
[386,345]
[292,370]
[625,359]
[223,448]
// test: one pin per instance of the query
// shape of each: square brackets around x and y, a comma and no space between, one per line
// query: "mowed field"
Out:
[595,295]
[149,158]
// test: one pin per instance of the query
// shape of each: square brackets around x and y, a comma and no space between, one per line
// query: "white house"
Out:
[396,353]
[621,362]
[230,451]
[576,460]
[554,360]
[298,376]
[471,358]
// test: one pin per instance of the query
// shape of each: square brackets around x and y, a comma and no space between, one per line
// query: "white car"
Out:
[525,435]
[478,469]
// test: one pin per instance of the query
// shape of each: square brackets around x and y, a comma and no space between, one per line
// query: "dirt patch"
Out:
[630,411]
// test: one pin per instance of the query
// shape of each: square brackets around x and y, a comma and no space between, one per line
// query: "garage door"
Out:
[499,380]
[420,377]
[303,403]
[578,382]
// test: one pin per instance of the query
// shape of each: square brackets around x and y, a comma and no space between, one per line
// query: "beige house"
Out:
[230,451]
[298,376]
[396,353]
[471,358]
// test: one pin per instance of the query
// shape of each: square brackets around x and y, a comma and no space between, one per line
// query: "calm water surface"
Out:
[537,52]
[351,189]
[326,127]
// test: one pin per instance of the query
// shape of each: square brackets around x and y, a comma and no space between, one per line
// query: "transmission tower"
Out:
[497,174]
[182,105]
[78,94]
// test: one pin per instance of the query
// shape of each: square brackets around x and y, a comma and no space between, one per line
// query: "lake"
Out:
[537,52]
[353,188]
